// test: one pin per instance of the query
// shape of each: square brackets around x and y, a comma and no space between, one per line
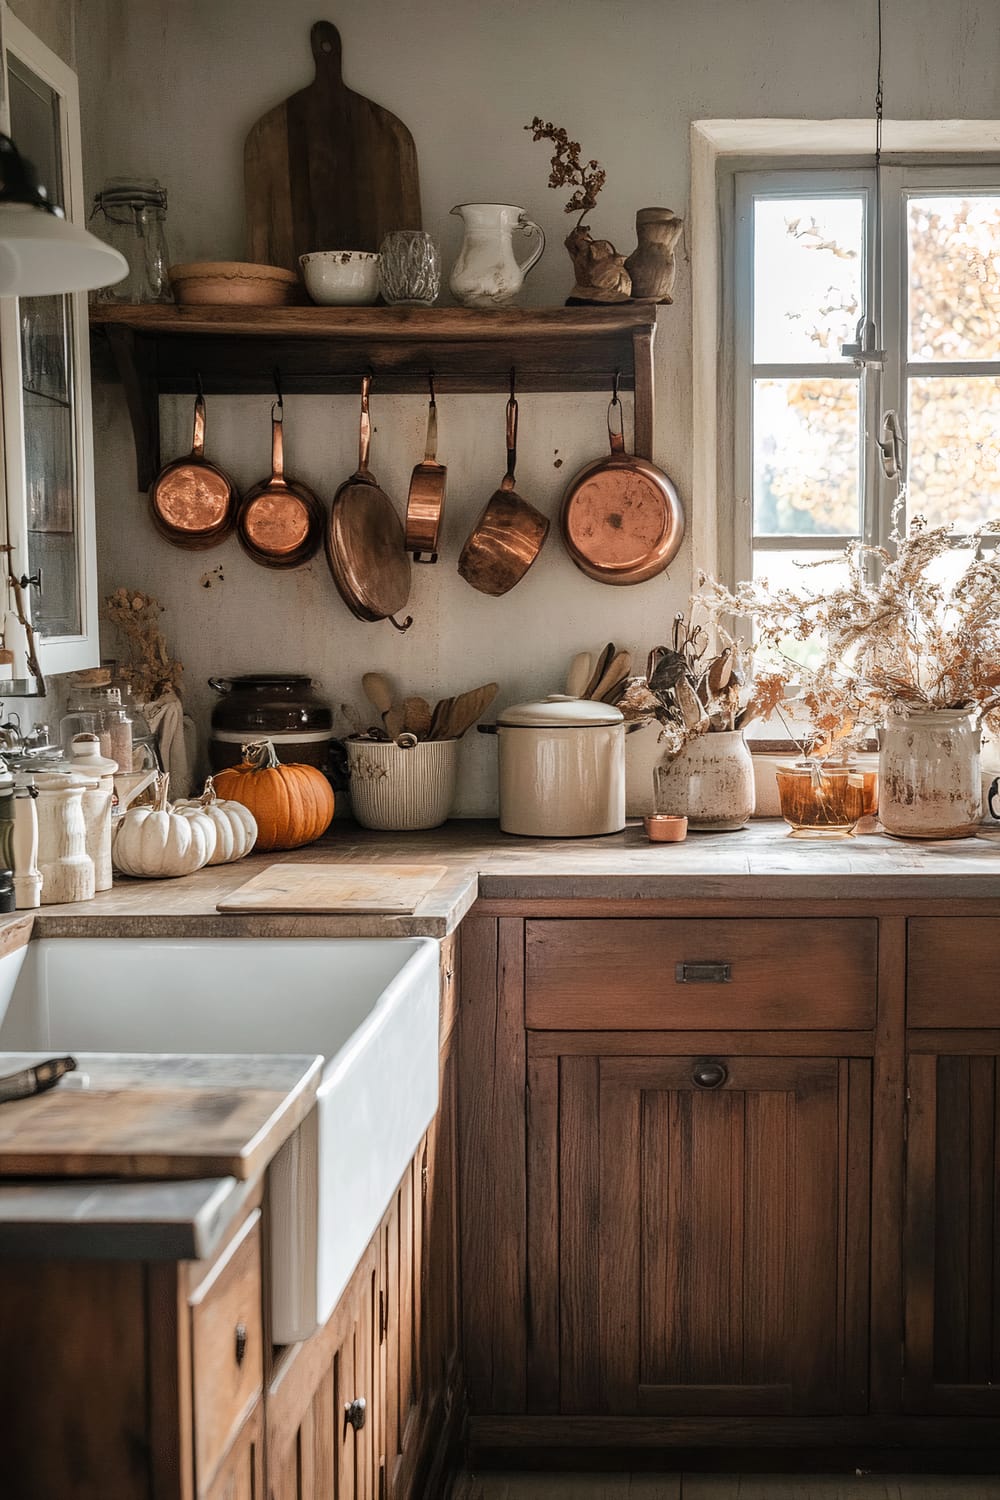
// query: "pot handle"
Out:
[528,226]
[507,483]
[198,441]
[277,442]
[617,437]
[365,437]
[220,684]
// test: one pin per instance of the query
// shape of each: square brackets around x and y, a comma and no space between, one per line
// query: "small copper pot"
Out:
[425,503]
[508,535]
[193,502]
[280,520]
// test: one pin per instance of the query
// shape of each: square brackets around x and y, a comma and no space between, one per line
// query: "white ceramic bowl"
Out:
[341,278]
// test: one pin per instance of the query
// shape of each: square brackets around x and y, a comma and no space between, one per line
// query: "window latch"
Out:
[891,445]
[864,350]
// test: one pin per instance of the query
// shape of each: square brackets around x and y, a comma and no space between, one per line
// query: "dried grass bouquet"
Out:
[152,671]
[894,638]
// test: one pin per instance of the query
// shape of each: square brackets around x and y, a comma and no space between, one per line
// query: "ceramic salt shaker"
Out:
[66,868]
[98,772]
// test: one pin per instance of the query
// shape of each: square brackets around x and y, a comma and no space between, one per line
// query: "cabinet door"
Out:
[710,1255]
[952,1235]
[401,1257]
[47,461]
[241,1475]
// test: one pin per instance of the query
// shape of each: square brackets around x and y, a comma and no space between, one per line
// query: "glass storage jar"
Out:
[134,212]
[409,268]
[824,801]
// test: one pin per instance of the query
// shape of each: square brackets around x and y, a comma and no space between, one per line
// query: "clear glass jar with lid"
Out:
[134,210]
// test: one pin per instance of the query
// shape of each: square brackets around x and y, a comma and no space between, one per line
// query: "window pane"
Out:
[806,457]
[806,573]
[954,449]
[954,246]
[808,263]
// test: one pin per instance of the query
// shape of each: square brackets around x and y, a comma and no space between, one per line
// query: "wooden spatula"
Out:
[467,708]
[417,717]
[600,667]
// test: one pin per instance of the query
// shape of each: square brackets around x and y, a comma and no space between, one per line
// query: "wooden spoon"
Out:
[617,669]
[378,692]
[439,720]
[600,667]
[581,669]
[468,707]
[417,717]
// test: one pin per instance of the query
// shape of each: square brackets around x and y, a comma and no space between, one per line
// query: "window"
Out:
[807,468]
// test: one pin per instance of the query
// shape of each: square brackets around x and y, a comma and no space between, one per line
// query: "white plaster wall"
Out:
[170,88]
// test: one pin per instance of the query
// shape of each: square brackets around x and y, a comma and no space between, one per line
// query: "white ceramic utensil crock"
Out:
[562,768]
[400,787]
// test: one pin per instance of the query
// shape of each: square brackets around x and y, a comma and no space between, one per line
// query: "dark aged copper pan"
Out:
[280,521]
[365,544]
[508,535]
[425,503]
[193,502]
[622,520]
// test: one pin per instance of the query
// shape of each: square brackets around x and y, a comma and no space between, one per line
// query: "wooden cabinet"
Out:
[712,1212]
[241,1475]
[951,1243]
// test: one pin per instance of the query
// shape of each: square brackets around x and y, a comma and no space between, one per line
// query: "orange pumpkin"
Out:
[293,804]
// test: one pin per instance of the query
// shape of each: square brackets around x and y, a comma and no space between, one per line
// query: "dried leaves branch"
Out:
[567,169]
[151,671]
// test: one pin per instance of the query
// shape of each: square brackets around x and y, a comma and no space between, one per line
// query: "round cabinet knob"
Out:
[241,1342]
[354,1413]
[709,1074]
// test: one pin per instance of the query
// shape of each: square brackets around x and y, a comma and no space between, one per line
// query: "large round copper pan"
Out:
[193,502]
[425,502]
[622,519]
[508,535]
[280,520]
[365,543]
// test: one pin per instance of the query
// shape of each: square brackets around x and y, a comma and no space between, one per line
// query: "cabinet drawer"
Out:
[651,974]
[226,1348]
[951,971]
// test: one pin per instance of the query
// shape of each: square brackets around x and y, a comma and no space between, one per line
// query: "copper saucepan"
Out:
[425,503]
[365,543]
[508,535]
[193,502]
[280,520]
[622,520]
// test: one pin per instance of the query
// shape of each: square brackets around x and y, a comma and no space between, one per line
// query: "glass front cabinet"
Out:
[47,473]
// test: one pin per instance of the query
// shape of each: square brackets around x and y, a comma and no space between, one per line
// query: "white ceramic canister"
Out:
[402,787]
[710,783]
[930,782]
[88,762]
[562,768]
[66,868]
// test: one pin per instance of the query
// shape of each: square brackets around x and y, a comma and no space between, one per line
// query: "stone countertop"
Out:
[110,1219]
[759,862]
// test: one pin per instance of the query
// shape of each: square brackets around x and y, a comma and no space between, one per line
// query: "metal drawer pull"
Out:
[709,1074]
[354,1413]
[241,1343]
[703,973]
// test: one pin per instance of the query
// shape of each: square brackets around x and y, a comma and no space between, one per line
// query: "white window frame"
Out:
[719,148]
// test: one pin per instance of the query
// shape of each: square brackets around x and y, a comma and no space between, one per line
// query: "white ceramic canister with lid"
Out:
[66,868]
[562,768]
[87,761]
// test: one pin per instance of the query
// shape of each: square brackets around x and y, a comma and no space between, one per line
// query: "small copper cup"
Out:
[665,828]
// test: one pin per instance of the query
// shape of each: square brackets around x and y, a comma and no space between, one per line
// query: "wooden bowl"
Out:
[232,283]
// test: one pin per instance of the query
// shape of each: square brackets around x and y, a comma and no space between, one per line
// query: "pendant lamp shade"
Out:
[40,251]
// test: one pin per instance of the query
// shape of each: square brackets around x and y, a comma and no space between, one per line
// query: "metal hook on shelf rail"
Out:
[513,382]
[616,382]
[430,386]
[199,388]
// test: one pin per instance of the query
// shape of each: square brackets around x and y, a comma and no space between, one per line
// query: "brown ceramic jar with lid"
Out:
[276,706]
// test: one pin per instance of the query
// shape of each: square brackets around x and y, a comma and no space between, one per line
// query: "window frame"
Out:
[887,287]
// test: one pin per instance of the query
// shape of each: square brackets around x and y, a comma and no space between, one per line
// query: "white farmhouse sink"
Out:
[369,1006]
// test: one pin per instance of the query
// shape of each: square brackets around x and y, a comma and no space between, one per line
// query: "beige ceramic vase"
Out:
[710,783]
[930,783]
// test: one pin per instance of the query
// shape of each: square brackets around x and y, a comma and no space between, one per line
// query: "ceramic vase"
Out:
[930,783]
[710,782]
[66,868]
[487,273]
[652,265]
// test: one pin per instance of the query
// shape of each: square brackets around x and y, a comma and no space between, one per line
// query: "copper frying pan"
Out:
[280,520]
[425,503]
[193,502]
[622,520]
[365,544]
[508,535]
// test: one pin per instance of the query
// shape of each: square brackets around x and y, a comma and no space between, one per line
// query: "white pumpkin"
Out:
[157,844]
[235,825]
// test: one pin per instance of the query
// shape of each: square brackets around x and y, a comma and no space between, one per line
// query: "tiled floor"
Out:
[720,1487]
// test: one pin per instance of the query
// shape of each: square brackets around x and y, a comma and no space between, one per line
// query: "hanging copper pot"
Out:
[622,520]
[280,520]
[193,502]
[510,532]
[425,502]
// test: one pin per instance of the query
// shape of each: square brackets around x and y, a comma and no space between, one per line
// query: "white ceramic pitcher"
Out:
[487,273]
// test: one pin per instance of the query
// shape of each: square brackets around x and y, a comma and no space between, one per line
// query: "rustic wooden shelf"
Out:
[326,350]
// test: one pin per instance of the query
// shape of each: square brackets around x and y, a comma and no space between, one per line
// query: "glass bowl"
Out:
[824,802]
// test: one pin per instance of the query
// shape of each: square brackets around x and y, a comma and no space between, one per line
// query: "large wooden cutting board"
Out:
[340,889]
[144,1132]
[327,169]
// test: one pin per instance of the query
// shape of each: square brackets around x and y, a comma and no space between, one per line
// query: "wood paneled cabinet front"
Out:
[711,1250]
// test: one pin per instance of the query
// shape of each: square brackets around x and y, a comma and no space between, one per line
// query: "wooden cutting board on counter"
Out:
[162,1133]
[327,169]
[336,889]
